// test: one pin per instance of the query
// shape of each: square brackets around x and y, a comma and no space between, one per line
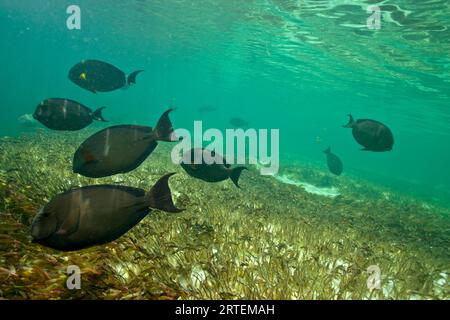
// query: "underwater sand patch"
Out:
[331,192]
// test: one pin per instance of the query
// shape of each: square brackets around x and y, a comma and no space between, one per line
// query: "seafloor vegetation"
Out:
[268,240]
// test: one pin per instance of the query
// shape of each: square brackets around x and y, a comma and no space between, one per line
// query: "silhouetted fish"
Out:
[371,134]
[212,172]
[120,149]
[206,109]
[334,163]
[95,75]
[94,215]
[65,114]
[237,122]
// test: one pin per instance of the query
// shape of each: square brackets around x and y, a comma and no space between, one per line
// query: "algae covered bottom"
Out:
[376,225]
[270,240]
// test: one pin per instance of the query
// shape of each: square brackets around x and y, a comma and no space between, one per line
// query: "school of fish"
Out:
[98,214]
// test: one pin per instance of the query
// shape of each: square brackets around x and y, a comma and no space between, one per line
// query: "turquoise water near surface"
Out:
[299,66]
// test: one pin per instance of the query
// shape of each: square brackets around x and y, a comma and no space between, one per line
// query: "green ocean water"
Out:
[297,66]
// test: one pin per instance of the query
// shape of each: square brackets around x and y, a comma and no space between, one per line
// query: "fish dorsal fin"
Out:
[70,223]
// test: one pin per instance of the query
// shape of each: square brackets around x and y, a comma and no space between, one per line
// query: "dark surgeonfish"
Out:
[206,109]
[99,214]
[213,172]
[334,163]
[371,134]
[65,114]
[99,76]
[239,123]
[120,149]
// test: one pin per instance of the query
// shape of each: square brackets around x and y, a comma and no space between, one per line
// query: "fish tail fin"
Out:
[164,129]
[159,197]
[131,79]
[328,150]
[235,175]
[351,122]
[97,115]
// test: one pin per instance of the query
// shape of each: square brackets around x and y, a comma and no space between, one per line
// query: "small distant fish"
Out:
[334,163]
[371,134]
[27,120]
[239,123]
[207,109]
[66,114]
[120,149]
[213,172]
[99,214]
[98,76]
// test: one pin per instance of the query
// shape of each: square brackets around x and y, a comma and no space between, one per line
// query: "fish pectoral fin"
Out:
[89,157]
[70,224]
